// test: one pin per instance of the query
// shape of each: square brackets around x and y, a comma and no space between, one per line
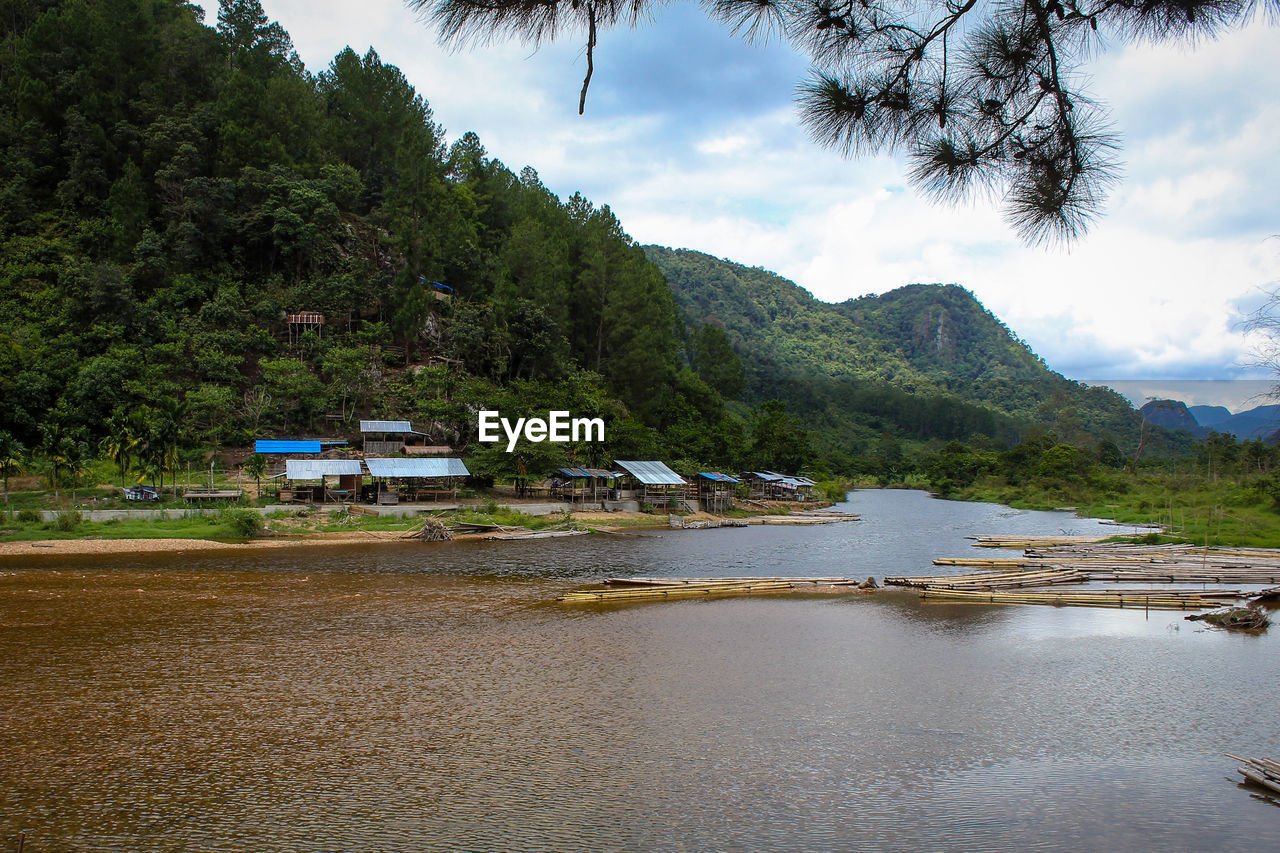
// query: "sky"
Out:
[692,137]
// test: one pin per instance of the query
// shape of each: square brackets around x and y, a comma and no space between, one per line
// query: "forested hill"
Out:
[924,340]
[173,192]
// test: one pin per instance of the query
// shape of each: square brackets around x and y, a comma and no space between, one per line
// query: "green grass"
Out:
[198,527]
[1221,512]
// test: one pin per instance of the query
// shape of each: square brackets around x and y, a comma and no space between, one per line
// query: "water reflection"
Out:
[433,697]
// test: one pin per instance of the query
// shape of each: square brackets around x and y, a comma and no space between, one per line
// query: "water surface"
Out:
[434,697]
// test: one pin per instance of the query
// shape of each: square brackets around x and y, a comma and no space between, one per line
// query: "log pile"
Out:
[1260,771]
[658,589]
[431,530]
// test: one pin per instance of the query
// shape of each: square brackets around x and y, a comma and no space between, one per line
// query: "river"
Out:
[419,696]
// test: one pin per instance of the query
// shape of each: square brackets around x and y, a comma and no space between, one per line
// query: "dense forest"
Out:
[173,191]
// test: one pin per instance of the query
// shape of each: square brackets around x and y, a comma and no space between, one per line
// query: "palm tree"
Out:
[171,414]
[53,439]
[255,466]
[119,442]
[11,451]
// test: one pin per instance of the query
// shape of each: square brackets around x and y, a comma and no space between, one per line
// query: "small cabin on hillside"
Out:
[381,437]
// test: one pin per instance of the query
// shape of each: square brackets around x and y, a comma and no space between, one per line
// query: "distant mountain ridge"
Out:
[931,340]
[1260,422]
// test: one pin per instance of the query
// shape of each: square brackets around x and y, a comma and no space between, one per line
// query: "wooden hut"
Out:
[414,479]
[716,491]
[772,486]
[583,485]
[650,481]
[321,480]
[381,437]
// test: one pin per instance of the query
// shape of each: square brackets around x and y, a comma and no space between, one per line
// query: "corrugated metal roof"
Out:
[651,473]
[388,426]
[315,469]
[588,472]
[767,476]
[264,445]
[717,477]
[390,467]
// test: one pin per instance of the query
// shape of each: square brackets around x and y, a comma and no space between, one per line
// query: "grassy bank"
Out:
[1226,511]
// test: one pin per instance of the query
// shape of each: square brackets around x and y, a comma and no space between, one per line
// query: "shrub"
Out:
[67,520]
[244,523]
[30,516]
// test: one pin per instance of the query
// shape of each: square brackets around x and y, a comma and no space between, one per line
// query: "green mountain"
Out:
[179,198]
[926,359]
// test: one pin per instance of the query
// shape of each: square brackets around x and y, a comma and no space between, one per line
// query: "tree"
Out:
[256,466]
[11,451]
[982,96]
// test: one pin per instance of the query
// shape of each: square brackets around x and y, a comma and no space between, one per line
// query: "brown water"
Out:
[434,697]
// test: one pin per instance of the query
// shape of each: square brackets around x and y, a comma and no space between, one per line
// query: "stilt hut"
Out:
[772,486]
[583,485]
[716,491]
[391,437]
[650,481]
[321,480]
[415,479]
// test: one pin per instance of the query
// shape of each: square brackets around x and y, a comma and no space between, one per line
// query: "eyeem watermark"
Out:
[557,427]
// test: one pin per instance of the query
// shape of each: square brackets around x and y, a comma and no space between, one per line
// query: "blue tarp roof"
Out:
[651,473]
[417,467]
[265,445]
[316,469]
[717,477]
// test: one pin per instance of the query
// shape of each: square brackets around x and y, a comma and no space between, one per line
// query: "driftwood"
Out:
[1235,619]
[431,530]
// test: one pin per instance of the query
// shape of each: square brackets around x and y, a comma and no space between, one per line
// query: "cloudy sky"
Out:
[691,136]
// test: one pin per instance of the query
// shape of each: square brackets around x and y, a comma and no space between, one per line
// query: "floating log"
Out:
[1260,771]
[650,581]
[1145,600]
[642,593]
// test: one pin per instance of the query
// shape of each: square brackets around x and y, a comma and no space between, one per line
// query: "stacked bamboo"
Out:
[650,581]
[1032,541]
[640,588]
[1146,599]
[1260,771]
[990,580]
[1080,560]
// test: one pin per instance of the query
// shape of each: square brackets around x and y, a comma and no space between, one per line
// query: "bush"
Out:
[30,516]
[67,520]
[244,523]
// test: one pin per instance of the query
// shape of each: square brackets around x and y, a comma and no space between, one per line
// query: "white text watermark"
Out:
[558,427]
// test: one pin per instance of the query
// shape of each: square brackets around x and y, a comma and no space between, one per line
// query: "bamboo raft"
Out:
[1260,771]
[1145,599]
[650,581]
[1032,541]
[657,589]
[1081,560]
[990,580]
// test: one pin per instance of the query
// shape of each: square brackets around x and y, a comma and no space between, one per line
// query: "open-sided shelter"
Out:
[716,490]
[414,479]
[583,485]
[320,480]
[651,481]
